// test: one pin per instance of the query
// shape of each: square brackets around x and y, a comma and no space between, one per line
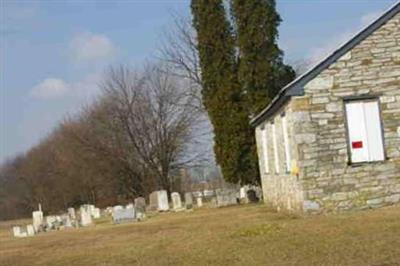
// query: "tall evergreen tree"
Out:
[261,71]
[222,93]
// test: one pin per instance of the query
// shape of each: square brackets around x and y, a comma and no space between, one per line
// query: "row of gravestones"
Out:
[137,211]
[131,212]
[159,201]
[40,223]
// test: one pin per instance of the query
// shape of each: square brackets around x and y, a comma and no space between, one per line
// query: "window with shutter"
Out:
[364,131]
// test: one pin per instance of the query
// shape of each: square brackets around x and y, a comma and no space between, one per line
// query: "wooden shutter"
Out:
[374,131]
[364,131]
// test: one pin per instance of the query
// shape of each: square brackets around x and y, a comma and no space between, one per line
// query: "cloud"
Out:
[54,88]
[87,46]
[50,88]
[319,53]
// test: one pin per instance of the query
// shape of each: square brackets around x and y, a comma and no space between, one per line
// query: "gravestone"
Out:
[96,213]
[58,218]
[243,193]
[71,213]
[66,220]
[51,222]
[176,201]
[153,201]
[124,215]
[140,205]
[129,206]
[91,209]
[18,232]
[188,200]
[199,201]
[30,231]
[159,200]
[37,217]
[117,207]
[86,218]
[226,197]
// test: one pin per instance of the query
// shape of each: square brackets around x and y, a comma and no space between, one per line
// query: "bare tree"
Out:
[179,51]
[157,118]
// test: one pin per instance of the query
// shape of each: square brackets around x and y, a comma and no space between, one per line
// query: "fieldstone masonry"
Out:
[321,178]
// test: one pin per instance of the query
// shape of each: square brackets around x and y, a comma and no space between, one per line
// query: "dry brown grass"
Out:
[242,235]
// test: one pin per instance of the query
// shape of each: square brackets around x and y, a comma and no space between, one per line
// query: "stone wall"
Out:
[330,183]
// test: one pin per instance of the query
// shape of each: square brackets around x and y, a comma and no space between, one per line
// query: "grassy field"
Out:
[242,235]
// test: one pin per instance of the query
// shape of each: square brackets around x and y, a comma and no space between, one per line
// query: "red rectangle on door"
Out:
[357,144]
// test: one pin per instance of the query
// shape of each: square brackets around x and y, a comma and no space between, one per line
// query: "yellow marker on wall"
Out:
[294,169]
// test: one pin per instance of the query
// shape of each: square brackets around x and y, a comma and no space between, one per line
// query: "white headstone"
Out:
[124,215]
[162,200]
[96,213]
[129,206]
[86,218]
[91,209]
[50,220]
[176,200]
[71,213]
[58,218]
[199,202]
[30,231]
[37,217]
[17,232]
[66,220]
[116,208]
[242,193]
[159,200]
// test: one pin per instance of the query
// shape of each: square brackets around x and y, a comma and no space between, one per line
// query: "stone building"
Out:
[330,140]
